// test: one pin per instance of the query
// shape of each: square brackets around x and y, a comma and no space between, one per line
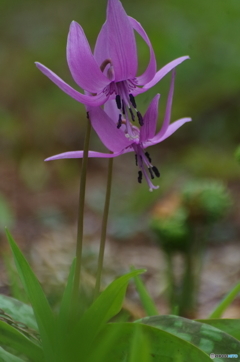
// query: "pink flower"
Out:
[130,138]
[111,72]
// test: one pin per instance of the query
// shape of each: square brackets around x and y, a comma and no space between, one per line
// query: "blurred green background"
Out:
[38,120]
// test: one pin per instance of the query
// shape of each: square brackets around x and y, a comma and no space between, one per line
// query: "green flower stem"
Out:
[104,229]
[79,245]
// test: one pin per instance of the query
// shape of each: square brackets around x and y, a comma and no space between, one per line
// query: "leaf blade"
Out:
[41,308]
[225,302]
[209,339]
[11,337]
[147,301]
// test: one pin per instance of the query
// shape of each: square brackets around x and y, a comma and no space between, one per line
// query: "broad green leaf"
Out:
[229,326]
[100,352]
[147,302]
[107,305]
[18,311]
[139,349]
[11,337]
[227,300]
[8,357]
[41,308]
[207,338]
[162,346]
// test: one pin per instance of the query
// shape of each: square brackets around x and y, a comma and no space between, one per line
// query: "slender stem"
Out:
[81,215]
[104,229]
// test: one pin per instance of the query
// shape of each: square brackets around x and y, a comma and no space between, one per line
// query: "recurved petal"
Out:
[121,41]
[148,129]
[112,137]
[152,67]
[79,154]
[82,98]
[171,129]
[160,74]
[167,116]
[83,67]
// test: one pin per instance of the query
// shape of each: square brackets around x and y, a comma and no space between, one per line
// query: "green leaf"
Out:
[64,319]
[41,308]
[162,346]
[227,300]
[18,311]
[147,302]
[140,350]
[16,288]
[11,337]
[229,326]
[65,305]
[107,305]
[8,357]
[103,346]
[207,338]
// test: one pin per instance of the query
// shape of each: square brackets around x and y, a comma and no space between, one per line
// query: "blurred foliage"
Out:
[6,214]
[182,224]
[237,153]
[177,219]
[206,200]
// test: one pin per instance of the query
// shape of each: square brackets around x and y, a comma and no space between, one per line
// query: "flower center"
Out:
[125,101]
[143,161]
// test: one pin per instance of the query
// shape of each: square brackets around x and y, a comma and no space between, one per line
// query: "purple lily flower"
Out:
[120,141]
[111,72]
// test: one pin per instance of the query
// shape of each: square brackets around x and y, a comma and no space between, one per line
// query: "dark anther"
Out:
[155,170]
[148,157]
[136,159]
[118,101]
[151,173]
[87,115]
[132,100]
[140,177]
[123,108]
[140,119]
[132,115]
[119,121]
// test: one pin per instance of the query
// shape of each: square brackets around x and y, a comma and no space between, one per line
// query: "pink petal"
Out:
[82,98]
[160,74]
[152,67]
[112,137]
[101,51]
[79,154]
[167,116]
[148,129]
[171,129]
[84,68]
[121,42]
[111,110]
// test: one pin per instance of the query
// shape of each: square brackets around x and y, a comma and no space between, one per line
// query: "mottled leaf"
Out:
[11,337]
[162,346]
[229,326]
[18,311]
[207,338]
